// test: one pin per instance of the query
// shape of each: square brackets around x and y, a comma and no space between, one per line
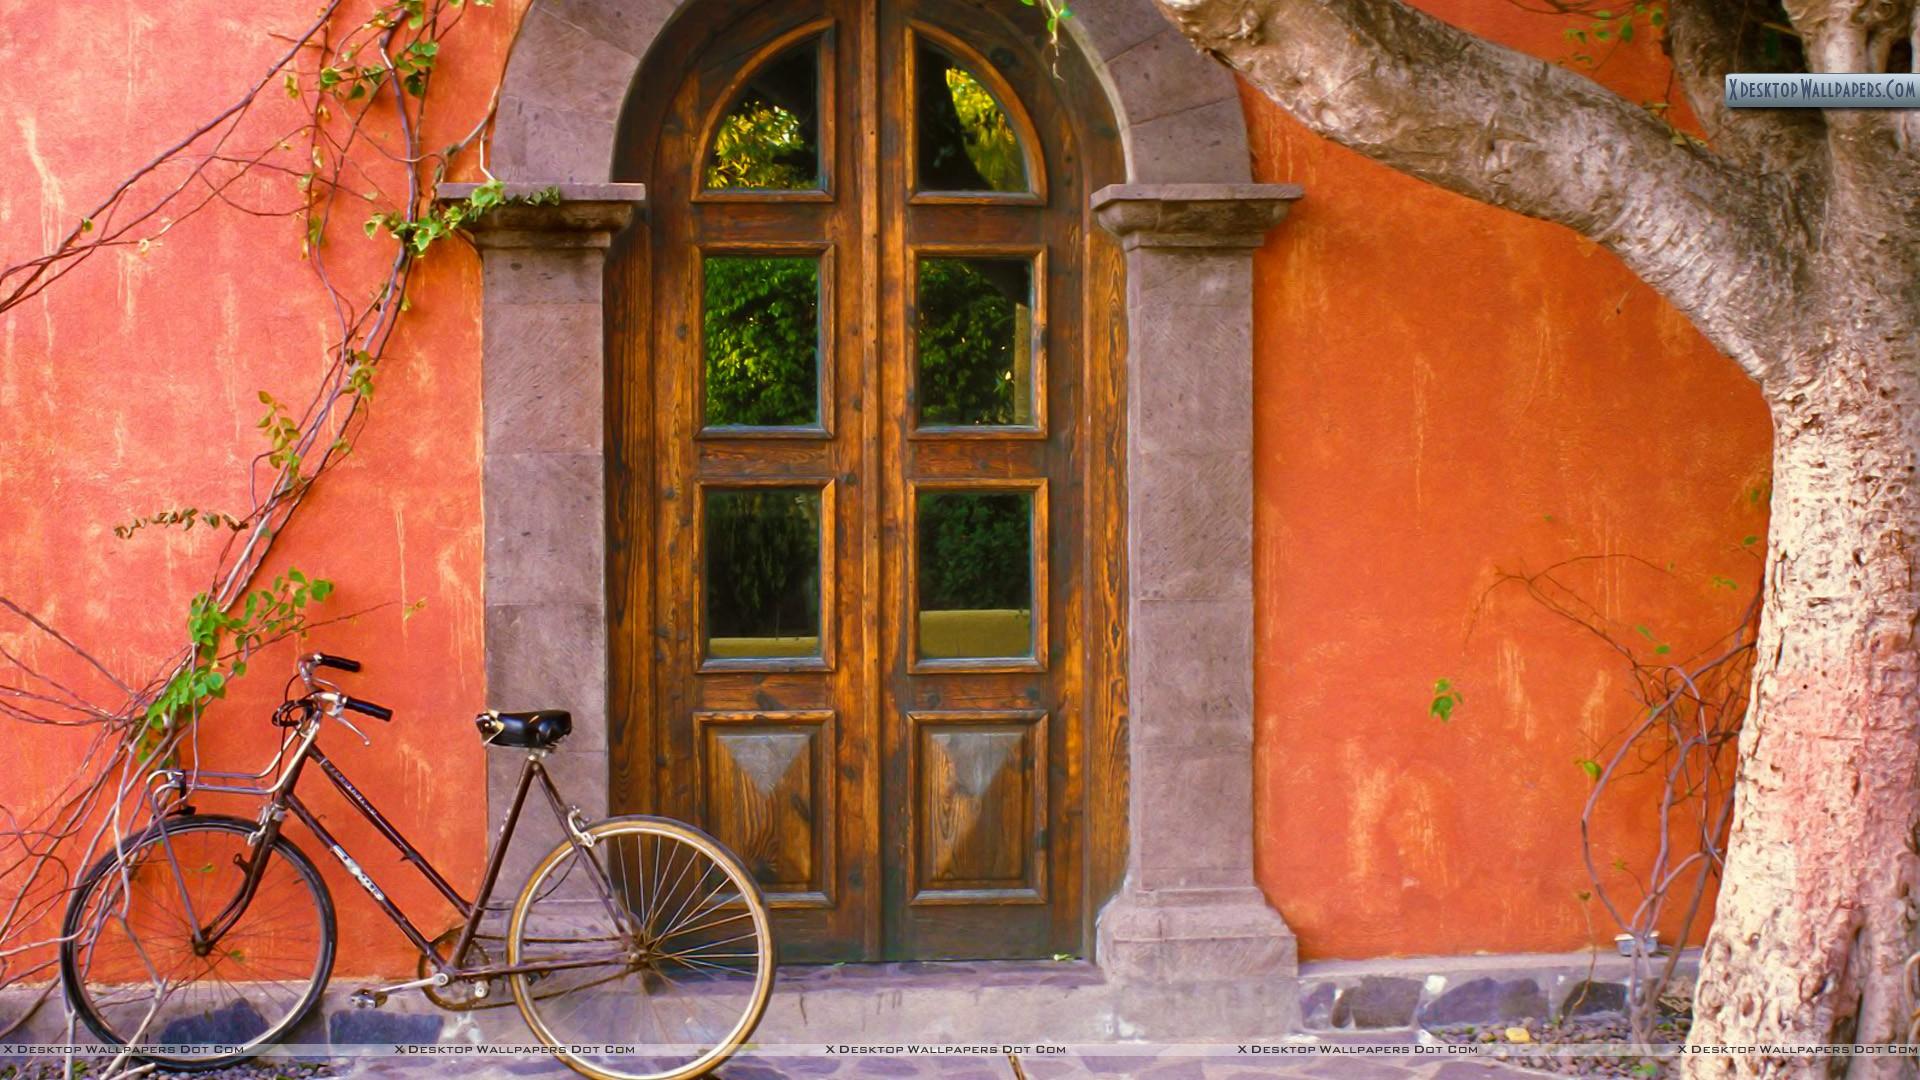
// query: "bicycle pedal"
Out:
[368,999]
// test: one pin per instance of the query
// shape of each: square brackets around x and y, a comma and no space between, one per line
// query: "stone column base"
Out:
[1195,935]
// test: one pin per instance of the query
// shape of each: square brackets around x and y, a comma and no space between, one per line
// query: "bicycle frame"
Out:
[281,798]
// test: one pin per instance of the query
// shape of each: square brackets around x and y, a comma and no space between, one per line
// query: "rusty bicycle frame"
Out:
[324,701]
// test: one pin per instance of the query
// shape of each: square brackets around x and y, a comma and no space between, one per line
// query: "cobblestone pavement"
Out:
[1146,1066]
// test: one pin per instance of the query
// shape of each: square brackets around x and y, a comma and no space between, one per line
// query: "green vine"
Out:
[1057,13]
[223,639]
[1608,26]
[438,223]
[1445,700]
[184,519]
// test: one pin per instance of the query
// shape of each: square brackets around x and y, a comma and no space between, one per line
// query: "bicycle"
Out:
[638,949]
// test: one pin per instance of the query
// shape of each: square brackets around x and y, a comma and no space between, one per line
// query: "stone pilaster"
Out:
[1189,911]
[542,389]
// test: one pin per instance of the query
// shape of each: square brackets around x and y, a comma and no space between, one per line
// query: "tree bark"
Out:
[1816,914]
[1514,131]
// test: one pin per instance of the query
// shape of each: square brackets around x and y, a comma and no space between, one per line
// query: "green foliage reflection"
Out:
[975,550]
[763,565]
[761,326]
[975,341]
[769,139]
[967,142]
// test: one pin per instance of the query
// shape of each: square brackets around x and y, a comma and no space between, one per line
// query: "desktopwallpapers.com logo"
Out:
[1823,91]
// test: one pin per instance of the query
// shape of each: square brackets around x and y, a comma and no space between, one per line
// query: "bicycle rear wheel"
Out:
[137,979]
[662,952]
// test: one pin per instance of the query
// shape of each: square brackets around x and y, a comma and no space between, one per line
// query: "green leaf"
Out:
[1590,767]
[1662,650]
[1749,540]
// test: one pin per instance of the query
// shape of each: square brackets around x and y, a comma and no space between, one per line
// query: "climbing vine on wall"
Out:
[1675,751]
[330,138]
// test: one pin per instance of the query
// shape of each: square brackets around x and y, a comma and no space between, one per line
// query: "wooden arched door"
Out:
[867,471]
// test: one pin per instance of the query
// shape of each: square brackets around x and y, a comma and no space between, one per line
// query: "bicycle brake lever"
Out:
[337,713]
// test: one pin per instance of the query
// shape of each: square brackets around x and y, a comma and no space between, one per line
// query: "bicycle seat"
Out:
[536,729]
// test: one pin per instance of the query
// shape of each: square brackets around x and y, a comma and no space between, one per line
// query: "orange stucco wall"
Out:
[132,387]
[1435,380]
[1445,392]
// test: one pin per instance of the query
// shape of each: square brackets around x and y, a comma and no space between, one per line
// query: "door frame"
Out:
[1173,775]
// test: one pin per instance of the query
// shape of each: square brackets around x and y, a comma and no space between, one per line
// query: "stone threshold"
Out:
[998,1002]
[1029,1002]
[1404,993]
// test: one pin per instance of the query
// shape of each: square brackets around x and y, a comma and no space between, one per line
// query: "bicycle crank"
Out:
[374,997]
[463,995]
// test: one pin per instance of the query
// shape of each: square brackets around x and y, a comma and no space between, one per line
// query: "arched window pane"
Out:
[769,137]
[967,140]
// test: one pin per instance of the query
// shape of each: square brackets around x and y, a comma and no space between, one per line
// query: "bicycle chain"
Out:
[459,996]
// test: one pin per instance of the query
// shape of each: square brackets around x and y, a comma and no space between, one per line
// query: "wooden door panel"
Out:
[979,797]
[905,783]
[767,793]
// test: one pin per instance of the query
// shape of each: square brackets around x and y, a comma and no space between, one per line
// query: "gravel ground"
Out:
[1671,1028]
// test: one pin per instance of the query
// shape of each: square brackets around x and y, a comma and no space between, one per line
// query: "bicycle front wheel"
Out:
[140,971]
[650,954]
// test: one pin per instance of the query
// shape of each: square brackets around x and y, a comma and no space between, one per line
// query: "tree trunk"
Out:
[1817,908]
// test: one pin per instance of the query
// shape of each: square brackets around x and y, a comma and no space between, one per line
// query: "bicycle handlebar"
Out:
[367,708]
[344,701]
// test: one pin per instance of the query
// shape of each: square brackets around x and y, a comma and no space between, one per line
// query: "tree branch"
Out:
[1705,40]
[1873,152]
[1516,132]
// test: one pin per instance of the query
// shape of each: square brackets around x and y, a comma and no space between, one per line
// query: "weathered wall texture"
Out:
[1444,392]
[1435,380]
[132,387]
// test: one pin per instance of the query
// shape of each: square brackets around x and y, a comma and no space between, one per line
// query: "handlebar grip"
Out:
[378,712]
[323,660]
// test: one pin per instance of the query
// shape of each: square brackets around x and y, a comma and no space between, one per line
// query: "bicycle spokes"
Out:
[670,942]
[144,974]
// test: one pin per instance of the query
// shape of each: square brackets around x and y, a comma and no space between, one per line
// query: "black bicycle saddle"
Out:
[535,729]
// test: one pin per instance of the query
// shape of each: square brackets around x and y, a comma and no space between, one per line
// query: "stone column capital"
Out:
[1193,215]
[586,215]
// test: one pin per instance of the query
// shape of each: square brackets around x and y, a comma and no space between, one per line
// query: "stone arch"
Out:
[573,61]
[1188,217]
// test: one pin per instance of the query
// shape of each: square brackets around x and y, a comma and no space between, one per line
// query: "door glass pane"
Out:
[967,141]
[975,563]
[975,342]
[762,572]
[761,326]
[769,137]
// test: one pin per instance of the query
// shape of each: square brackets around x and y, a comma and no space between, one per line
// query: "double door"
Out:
[860,420]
